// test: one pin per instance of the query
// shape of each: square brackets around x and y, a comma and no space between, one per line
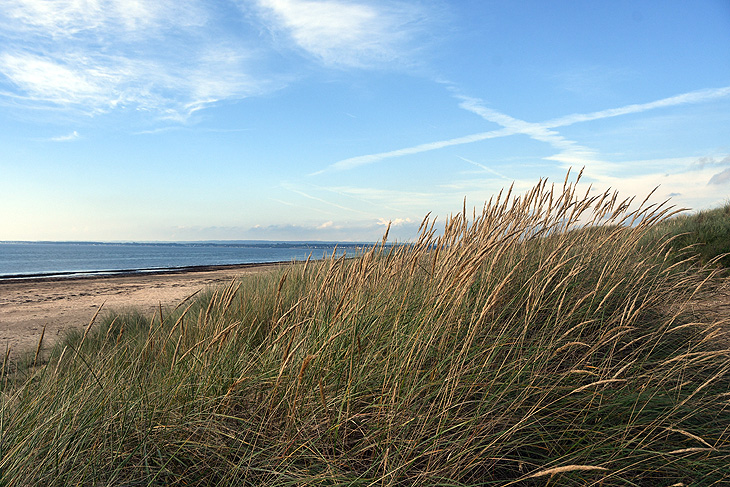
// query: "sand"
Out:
[26,306]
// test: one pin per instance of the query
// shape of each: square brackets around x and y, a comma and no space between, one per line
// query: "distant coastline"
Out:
[202,243]
[67,260]
[71,275]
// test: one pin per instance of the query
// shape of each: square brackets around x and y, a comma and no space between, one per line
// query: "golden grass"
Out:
[542,337]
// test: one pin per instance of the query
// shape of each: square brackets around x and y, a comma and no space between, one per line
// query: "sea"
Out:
[22,260]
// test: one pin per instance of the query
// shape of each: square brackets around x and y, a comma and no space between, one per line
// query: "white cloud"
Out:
[343,33]
[66,138]
[685,180]
[95,85]
[69,18]
[99,55]
[698,96]
[570,152]
[163,59]
[484,168]
[677,179]
[293,189]
[711,161]
[395,222]
[358,231]
[720,178]
[357,161]
[58,82]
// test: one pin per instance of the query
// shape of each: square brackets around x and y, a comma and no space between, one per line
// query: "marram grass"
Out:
[706,233]
[536,343]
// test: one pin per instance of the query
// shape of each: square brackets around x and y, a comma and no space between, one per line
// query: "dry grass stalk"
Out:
[121,332]
[566,468]
[38,348]
[596,384]
[190,350]
[211,306]
[235,385]
[60,358]
[109,328]
[174,354]
[6,361]
[303,368]
[180,321]
[91,323]
[721,373]
[689,435]
[221,336]
[690,450]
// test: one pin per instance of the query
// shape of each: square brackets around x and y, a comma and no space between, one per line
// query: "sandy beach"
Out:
[26,306]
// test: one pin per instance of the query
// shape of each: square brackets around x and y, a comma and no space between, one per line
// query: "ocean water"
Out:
[41,259]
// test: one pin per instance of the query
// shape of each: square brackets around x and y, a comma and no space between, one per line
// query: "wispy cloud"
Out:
[321,200]
[678,179]
[698,96]
[163,58]
[399,206]
[357,161]
[66,138]
[361,231]
[177,128]
[570,152]
[708,161]
[63,82]
[64,18]
[101,83]
[97,56]
[484,168]
[393,200]
[339,33]
[361,195]
[720,178]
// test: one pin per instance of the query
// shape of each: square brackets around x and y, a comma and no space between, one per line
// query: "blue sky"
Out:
[324,120]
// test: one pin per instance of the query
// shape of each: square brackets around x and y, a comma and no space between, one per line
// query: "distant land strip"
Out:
[66,275]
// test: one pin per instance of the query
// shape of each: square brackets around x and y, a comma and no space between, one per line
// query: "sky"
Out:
[181,120]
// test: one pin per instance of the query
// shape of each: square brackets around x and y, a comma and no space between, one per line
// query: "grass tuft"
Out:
[705,233]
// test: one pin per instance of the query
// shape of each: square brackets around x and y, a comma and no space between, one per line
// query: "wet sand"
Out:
[59,304]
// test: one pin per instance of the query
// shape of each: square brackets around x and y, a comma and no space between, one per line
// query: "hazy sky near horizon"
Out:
[325,119]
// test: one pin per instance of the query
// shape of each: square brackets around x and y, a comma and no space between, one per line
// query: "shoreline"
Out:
[59,304]
[105,274]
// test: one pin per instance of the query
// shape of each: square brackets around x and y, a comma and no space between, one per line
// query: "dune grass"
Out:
[541,342]
[706,233]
